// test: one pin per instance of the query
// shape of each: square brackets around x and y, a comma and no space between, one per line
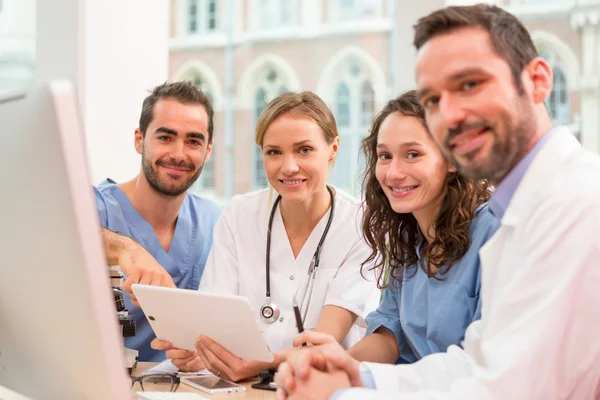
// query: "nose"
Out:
[397,170]
[177,151]
[290,166]
[452,112]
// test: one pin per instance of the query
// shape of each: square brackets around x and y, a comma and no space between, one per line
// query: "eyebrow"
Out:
[405,144]
[172,132]
[298,144]
[464,73]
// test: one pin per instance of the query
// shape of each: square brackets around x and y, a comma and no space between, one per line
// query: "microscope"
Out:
[126,321]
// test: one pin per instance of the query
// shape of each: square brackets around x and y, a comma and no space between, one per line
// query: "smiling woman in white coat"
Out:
[270,244]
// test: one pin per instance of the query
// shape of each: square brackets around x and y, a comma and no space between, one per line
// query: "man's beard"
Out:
[505,152]
[174,188]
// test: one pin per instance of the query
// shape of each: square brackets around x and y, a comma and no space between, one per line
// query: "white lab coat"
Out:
[539,336]
[236,264]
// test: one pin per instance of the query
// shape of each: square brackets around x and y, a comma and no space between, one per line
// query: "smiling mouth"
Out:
[184,169]
[466,137]
[403,189]
[291,181]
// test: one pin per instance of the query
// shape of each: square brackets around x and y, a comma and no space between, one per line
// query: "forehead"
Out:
[171,113]
[450,53]
[290,129]
[397,129]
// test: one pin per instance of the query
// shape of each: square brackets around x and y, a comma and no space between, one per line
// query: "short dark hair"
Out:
[184,92]
[508,36]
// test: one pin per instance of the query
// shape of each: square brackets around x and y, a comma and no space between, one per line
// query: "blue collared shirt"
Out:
[427,315]
[185,260]
[505,190]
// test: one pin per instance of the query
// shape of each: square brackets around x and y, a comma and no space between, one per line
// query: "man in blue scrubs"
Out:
[153,228]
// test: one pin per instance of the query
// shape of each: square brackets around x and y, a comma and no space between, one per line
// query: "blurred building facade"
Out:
[355,54]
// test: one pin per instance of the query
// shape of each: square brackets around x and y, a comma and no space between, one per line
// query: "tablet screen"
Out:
[212,382]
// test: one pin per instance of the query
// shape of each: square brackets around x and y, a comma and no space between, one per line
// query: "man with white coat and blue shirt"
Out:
[484,89]
[153,228]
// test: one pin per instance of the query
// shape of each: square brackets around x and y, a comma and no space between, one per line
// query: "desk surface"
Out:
[251,394]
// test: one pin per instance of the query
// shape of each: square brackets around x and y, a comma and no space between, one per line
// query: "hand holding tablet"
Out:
[179,316]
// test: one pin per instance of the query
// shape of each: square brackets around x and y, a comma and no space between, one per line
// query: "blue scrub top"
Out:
[185,260]
[427,315]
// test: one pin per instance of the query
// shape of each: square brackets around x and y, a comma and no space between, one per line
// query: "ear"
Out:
[334,149]
[451,167]
[539,75]
[139,141]
[208,151]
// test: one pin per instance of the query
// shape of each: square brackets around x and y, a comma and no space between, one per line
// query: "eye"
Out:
[384,156]
[272,152]
[469,85]
[195,143]
[411,155]
[164,138]
[431,102]
[305,150]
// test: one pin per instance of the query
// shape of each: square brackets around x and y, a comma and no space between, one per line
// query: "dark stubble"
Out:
[168,189]
[506,149]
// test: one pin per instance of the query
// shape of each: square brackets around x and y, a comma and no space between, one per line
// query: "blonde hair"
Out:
[300,105]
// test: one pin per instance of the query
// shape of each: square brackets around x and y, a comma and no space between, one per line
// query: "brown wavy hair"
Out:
[395,238]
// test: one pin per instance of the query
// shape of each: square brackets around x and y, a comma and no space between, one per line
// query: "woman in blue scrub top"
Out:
[425,225]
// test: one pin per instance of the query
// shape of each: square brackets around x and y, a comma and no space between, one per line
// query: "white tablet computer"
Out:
[179,316]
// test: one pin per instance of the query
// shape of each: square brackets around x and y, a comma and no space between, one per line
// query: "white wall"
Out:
[407,15]
[125,55]
[115,51]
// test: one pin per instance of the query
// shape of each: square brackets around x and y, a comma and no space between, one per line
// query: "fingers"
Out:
[302,361]
[131,279]
[221,352]
[217,366]
[174,354]
[192,364]
[280,394]
[284,378]
[167,281]
[343,361]
[314,338]
[158,344]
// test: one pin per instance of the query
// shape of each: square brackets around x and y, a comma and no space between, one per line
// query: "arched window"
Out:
[342,109]
[270,85]
[206,180]
[354,107]
[559,103]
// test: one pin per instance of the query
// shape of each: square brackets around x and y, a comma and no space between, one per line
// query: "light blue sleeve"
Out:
[387,314]
[101,207]
[485,225]
[367,380]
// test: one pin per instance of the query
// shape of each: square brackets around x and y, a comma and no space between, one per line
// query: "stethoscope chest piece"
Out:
[269,312]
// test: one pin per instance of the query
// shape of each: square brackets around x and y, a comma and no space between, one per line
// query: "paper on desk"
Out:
[167,367]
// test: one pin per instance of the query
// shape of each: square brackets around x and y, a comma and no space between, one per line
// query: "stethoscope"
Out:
[269,312]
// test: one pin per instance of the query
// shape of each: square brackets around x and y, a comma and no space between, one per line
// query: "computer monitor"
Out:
[59,336]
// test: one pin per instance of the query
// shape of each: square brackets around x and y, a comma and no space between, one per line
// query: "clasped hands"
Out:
[316,371]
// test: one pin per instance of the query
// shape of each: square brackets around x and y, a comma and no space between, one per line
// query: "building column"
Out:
[114,51]
[587,22]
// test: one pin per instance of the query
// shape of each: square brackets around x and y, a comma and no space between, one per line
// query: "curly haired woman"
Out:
[425,225]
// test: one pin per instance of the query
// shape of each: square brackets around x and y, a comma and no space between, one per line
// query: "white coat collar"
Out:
[556,152]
